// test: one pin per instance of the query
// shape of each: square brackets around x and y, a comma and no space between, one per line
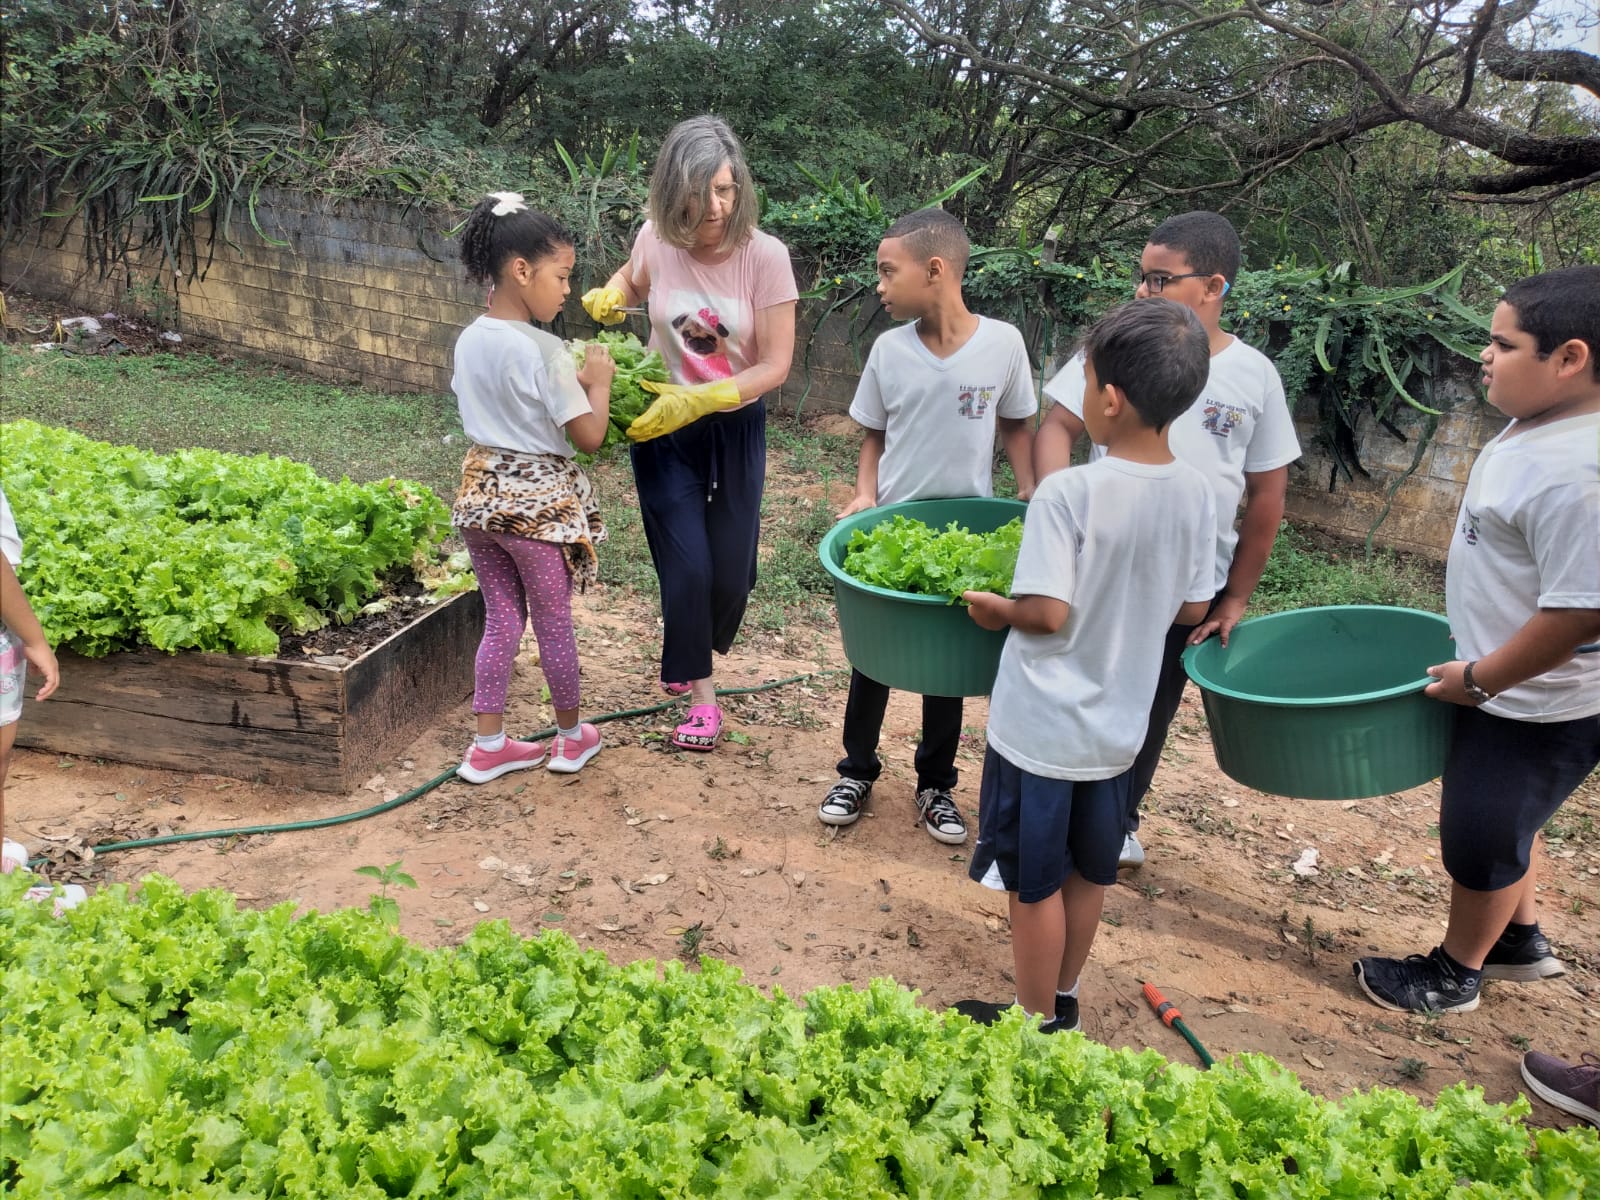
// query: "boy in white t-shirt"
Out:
[931,397]
[1522,591]
[1238,433]
[1112,554]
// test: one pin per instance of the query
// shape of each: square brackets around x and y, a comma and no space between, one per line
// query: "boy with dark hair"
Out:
[1238,433]
[932,394]
[1112,554]
[1522,591]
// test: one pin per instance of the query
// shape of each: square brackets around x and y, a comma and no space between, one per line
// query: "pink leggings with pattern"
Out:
[522,579]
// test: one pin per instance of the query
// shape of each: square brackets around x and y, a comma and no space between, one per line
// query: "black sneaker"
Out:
[982,1012]
[987,1012]
[940,817]
[1066,1020]
[1524,960]
[844,802]
[1419,983]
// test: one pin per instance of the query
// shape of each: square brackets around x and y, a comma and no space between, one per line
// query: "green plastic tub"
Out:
[914,643]
[1327,703]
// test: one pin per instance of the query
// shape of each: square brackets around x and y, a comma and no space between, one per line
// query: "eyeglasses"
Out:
[1156,281]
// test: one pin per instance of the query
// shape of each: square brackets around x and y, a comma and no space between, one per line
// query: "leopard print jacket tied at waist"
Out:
[545,497]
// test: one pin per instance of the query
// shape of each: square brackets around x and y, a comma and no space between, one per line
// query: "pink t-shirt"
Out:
[702,318]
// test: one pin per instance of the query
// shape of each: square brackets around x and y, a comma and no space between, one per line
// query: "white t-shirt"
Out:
[1528,537]
[10,539]
[938,414]
[1125,545]
[1239,424]
[516,386]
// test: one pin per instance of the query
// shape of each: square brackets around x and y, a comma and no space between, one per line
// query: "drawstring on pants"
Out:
[716,459]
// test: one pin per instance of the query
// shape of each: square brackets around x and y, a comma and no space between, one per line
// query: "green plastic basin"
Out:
[1327,703]
[914,643]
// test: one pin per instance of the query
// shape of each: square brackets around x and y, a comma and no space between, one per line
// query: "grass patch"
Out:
[167,402]
[1301,574]
[804,448]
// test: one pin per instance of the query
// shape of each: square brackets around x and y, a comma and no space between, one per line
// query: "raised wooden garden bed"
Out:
[297,723]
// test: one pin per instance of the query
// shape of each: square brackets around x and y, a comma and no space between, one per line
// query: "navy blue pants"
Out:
[1164,706]
[1503,782]
[700,499]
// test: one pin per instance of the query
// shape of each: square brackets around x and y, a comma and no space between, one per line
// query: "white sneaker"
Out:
[13,856]
[66,895]
[1132,853]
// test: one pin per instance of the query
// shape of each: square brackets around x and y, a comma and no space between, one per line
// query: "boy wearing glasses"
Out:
[1238,433]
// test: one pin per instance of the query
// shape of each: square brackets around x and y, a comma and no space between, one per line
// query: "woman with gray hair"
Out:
[721,297]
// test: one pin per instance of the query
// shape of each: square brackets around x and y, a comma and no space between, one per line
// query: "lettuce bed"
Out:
[200,549]
[164,1044]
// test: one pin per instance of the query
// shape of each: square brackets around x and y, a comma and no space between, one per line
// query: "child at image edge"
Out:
[526,510]
[1522,592]
[22,645]
[1112,554]
[1238,433]
[932,394]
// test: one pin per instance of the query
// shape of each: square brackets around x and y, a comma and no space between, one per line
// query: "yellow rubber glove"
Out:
[678,404]
[601,303]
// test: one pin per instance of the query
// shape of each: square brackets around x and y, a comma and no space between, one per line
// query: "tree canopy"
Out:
[1406,135]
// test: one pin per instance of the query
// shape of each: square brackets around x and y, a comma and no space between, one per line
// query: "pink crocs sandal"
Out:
[701,730]
[675,689]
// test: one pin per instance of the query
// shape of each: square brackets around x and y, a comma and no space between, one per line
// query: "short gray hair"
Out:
[680,185]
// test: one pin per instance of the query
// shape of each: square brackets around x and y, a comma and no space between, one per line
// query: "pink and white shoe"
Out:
[570,754]
[480,765]
[65,896]
[13,856]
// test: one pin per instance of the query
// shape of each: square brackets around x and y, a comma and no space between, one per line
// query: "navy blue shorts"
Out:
[1034,832]
[1503,781]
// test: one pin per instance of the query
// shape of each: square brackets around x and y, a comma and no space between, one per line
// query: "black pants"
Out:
[863,724]
[1169,691]
[700,501]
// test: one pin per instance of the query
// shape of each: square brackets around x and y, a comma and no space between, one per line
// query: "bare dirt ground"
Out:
[651,852]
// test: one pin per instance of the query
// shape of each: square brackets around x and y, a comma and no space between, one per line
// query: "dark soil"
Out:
[31,320]
[405,603]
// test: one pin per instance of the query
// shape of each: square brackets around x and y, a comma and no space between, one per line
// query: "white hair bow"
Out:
[507,202]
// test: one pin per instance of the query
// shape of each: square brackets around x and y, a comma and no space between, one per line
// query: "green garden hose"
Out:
[420,789]
[1173,1019]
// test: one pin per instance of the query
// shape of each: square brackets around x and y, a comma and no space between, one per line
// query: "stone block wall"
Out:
[369,292]
[362,291]
[1421,511]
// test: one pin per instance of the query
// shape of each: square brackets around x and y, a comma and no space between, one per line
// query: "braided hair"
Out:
[501,227]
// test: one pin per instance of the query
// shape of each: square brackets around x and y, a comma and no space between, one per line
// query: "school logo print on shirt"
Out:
[973,401]
[1221,419]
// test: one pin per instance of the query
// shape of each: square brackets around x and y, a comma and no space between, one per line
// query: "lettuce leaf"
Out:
[162,1044]
[199,549]
[904,555]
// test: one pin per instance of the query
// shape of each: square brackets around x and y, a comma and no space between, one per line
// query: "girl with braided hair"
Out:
[526,510]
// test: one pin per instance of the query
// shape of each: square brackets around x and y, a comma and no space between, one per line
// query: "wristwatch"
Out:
[1478,695]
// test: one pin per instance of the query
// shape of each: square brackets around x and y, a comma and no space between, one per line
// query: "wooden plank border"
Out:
[299,724]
